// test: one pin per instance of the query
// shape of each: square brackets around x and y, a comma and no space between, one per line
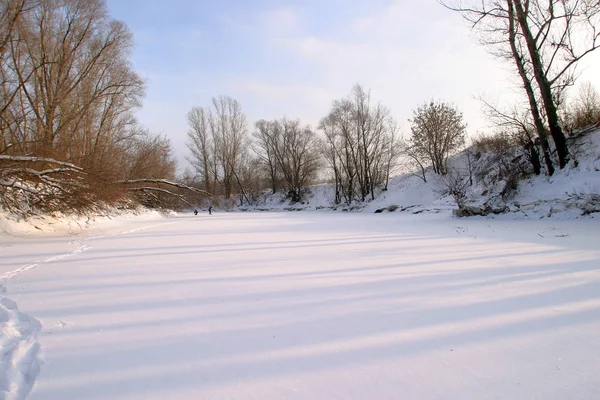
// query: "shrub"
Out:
[496,143]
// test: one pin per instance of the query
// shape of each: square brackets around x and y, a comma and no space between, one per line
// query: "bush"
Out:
[588,203]
[496,143]
[455,184]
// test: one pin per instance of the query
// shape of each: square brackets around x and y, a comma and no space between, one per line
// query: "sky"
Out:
[294,57]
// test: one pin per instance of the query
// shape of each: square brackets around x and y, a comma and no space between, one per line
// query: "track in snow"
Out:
[20,359]
[322,306]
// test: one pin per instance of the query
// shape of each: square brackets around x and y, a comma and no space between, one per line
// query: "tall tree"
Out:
[266,139]
[67,97]
[361,140]
[68,88]
[218,141]
[200,144]
[289,152]
[548,38]
[517,55]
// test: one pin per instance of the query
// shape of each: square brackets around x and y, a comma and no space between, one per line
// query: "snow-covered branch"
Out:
[149,190]
[166,182]
[28,159]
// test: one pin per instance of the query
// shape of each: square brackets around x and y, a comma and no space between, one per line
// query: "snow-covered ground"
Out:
[568,194]
[312,306]
[40,242]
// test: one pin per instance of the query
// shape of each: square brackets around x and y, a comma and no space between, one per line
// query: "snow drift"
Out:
[19,347]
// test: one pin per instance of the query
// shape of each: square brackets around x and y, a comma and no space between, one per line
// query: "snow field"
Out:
[319,306]
[20,359]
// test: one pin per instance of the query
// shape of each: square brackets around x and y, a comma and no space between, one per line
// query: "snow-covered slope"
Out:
[569,193]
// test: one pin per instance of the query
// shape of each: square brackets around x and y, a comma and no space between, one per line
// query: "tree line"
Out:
[356,147]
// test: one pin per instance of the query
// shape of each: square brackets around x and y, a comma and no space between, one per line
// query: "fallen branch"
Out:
[43,160]
[165,191]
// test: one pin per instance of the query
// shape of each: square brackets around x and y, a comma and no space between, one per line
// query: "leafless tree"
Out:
[516,123]
[67,96]
[289,153]
[218,141]
[437,131]
[547,40]
[297,155]
[340,149]
[249,179]
[362,145]
[201,145]
[67,87]
[266,140]
[229,128]
[517,54]
[414,161]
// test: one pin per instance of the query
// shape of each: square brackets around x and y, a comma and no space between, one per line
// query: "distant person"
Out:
[195,212]
[210,210]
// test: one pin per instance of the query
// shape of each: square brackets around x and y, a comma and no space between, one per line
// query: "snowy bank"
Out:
[60,224]
[41,241]
[570,193]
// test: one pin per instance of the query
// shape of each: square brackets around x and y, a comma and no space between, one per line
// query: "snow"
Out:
[309,305]
[410,303]
[41,242]
[20,364]
[536,197]
[69,225]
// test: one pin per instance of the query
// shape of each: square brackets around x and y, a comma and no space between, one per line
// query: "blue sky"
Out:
[293,58]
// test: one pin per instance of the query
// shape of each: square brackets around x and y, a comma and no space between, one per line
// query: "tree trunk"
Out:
[533,106]
[556,131]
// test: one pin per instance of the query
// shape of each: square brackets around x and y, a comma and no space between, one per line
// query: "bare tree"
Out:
[289,153]
[67,85]
[200,144]
[517,54]
[415,162]
[218,141]
[517,124]
[67,97]
[266,139]
[547,40]
[337,127]
[437,131]
[297,155]
[229,129]
[362,145]
[249,179]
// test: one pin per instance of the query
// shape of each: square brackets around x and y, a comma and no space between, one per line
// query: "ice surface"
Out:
[310,306]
